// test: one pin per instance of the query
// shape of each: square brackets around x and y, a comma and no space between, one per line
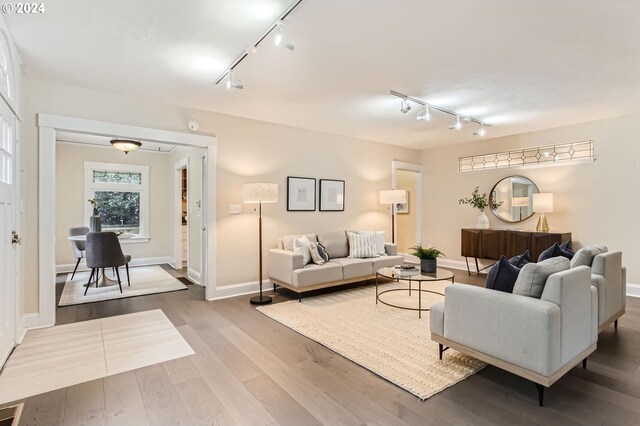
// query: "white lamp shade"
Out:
[393,196]
[543,202]
[260,192]
[520,201]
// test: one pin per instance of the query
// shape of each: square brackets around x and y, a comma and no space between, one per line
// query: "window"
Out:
[121,194]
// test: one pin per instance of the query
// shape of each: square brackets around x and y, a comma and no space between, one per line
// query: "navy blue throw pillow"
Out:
[566,246]
[323,252]
[521,260]
[554,251]
[502,276]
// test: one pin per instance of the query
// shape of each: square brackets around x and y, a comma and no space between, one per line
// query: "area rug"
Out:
[394,344]
[144,280]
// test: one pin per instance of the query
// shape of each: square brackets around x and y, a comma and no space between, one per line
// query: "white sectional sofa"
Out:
[287,268]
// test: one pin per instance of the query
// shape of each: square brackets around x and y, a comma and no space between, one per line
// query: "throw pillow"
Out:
[585,255]
[317,258]
[301,246]
[362,245]
[533,276]
[555,251]
[521,260]
[323,252]
[566,246]
[380,243]
[503,275]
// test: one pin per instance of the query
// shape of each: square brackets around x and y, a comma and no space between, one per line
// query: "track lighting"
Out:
[481,131]
[234,83]
[404,106]
[456,125]
[424,115]
[281,39]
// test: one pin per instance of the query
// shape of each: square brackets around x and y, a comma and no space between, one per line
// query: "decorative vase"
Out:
[94,221]
[428,266]
[482,221]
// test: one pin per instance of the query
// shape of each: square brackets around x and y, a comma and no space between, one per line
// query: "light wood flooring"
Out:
[250,370]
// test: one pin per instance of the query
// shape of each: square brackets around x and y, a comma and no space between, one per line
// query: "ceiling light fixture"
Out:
[404,106]
[425,114]
[253,48]
[234,83]
[125,145]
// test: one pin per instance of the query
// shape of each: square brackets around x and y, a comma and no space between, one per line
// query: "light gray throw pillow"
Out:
[533,276]
[585,255]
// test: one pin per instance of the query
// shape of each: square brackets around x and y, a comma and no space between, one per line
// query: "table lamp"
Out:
[393,197]
[543,203]
[258,193]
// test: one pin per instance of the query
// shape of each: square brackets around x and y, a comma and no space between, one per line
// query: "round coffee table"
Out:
[419,277]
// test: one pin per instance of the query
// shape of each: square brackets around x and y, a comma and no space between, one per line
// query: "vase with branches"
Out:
[480,202]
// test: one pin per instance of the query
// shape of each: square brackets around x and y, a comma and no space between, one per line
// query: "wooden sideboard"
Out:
[490,244]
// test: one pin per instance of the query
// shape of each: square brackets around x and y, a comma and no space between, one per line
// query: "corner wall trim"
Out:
[194,276]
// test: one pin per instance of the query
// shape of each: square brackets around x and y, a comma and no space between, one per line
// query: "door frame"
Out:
[417,168]
[183,164]
[48,125]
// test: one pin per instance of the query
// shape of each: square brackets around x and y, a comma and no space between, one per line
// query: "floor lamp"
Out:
[393,197]
[258,193]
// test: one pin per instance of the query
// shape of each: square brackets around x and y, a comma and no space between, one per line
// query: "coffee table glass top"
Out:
[439,275]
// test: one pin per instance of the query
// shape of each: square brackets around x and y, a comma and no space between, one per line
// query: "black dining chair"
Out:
[78,246]
[103,251]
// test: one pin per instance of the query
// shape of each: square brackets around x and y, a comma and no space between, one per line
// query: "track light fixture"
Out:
[234,83]
[280,39]
[425,114]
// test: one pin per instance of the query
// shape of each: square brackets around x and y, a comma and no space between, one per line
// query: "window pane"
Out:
[119,210]
[117,177]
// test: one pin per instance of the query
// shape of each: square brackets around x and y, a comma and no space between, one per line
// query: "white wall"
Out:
[595,201]
[248,150]
[70,197]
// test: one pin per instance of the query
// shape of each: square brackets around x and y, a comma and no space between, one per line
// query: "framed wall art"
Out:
[301,194]
[403,208]
[331,195]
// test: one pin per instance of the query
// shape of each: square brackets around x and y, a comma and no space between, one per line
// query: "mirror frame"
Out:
[494,188]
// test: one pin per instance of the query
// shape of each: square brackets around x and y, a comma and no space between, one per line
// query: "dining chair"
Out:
[103,251]
[78,246]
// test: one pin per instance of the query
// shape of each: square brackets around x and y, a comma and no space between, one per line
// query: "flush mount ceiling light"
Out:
[425,114]
[234,83]
[280,40]
[125,145]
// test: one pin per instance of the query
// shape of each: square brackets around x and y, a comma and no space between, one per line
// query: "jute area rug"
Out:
[144,280]
[394,344]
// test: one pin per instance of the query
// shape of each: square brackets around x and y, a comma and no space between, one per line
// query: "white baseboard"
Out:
[29,321]
[239,289]
[633,290]
[146,261]
[194,276]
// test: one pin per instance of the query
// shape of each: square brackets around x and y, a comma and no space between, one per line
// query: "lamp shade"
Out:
[520,201]
[125,145]
[260,192]
[393,196]
[543,202]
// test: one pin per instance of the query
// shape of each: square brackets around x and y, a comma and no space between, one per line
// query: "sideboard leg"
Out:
[467,260]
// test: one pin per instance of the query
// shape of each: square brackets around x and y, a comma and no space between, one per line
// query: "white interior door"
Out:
[8,238]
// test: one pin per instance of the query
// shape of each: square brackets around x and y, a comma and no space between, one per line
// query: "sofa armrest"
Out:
[282,263]
[391,249]
[436,319]
[520,330]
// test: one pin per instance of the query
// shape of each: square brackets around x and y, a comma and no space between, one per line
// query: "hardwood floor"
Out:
[250,370]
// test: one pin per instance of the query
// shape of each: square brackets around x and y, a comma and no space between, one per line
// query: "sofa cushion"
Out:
[286,242]
[362,246]
[386,262]
[521,260]
[554,251]
[533,276]
[313,274]
[335,243]
[502,276]
[585,255]
[302,246]
[353,268]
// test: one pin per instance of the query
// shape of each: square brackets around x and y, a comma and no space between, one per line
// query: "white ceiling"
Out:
[521,65]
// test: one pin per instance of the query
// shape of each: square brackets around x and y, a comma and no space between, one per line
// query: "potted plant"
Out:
[480,202]
[428,257]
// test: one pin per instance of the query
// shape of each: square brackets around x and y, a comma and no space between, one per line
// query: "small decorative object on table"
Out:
[95,224]
[428,257]
[480,202]
[406,270]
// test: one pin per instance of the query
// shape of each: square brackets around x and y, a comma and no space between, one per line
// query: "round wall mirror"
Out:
[511,199]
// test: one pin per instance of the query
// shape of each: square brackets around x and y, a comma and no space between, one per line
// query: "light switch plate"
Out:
[235,209]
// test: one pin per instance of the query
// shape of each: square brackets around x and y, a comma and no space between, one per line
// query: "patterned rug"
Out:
[393,343]
[144,280]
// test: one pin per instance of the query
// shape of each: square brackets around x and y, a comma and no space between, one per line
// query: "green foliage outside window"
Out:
[119,210]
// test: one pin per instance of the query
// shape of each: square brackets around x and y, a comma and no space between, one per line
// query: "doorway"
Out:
[408,177]
[181,223]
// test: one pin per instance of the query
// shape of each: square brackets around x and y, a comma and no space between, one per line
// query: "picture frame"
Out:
[301,194]
[403,208]
[332,195]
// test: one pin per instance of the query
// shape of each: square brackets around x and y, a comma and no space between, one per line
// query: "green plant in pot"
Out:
[428,257]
